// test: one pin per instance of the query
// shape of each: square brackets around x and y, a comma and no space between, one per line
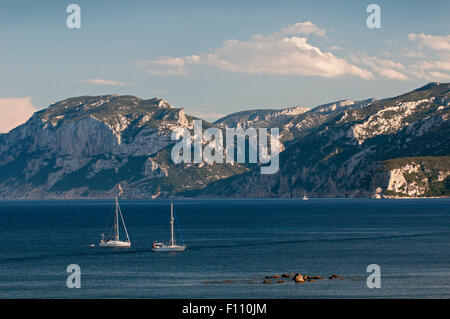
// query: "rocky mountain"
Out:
[261,117]
[345,154]
[293,122]
[83,147]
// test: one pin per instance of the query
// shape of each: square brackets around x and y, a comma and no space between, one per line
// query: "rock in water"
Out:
[299,278]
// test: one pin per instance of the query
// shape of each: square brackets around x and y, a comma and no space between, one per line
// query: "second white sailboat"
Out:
[171,245]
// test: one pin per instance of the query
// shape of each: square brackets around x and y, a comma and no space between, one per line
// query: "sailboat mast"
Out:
[171,224]
[123,223]
[116,222]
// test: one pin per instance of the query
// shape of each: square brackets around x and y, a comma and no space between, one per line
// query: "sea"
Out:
[232,246]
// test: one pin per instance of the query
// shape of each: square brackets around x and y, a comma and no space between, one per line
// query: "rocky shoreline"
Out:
[297,278]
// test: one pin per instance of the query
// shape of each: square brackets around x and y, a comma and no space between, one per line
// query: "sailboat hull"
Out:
[114,243]
[175,248]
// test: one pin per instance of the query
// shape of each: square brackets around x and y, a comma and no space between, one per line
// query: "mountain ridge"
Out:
[82,147]
[341,157]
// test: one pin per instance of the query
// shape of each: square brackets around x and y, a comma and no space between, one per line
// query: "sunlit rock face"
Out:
[86,136]
[83,147]
[395,147]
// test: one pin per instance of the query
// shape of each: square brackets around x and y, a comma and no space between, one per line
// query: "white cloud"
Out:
[436,69]
[383,67]
[169,66]
[303,28]
[284,56]
[435,65]
[335,48]
[289,52]
[177,71]
[98,81]
[14,111]
[428,58]
[272,54]
[413,54]
[443,65]
[438,43]
[432,70]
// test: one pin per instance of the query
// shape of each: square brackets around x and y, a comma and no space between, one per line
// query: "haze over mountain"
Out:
[83,147]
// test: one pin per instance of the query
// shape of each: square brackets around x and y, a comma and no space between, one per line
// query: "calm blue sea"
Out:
[238,240]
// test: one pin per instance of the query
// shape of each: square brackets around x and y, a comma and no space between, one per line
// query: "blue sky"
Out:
[307,52]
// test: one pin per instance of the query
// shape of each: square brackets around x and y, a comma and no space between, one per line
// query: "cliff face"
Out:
[417,177]
[83,147]
[342,155]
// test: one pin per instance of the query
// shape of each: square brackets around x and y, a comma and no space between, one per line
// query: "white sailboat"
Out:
[171,245]
[114,240]
[305,197]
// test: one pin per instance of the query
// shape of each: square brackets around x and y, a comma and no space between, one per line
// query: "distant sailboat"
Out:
[305,197]
[114,239]
[171,245]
